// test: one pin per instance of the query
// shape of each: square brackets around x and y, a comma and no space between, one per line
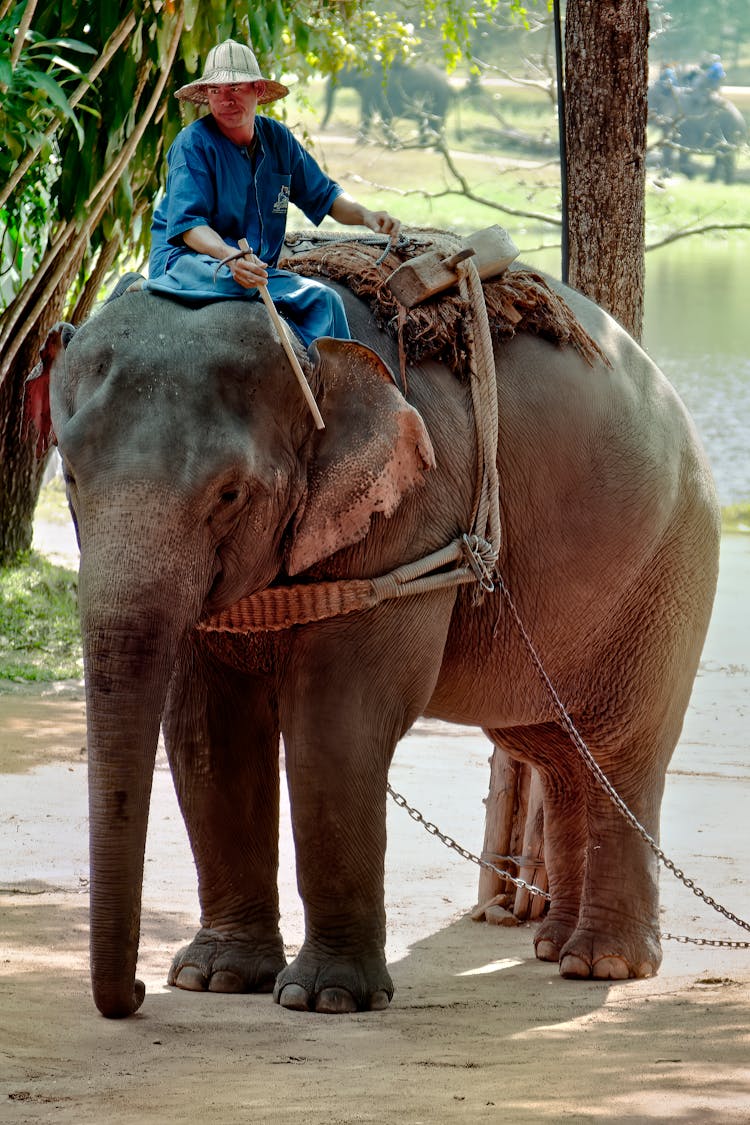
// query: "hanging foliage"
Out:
[87,114]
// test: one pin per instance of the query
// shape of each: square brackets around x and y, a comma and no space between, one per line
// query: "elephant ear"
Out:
[374,449]
[36,404]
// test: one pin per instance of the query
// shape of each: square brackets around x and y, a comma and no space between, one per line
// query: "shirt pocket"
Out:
[280,186]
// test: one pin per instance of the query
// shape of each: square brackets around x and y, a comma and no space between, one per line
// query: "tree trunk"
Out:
[606,89]
[606,84]
[20,471]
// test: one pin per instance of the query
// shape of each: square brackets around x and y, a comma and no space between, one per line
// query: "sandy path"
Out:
[478,1029]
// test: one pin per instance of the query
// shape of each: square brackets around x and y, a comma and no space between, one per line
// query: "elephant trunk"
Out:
[133,625]
[124,709]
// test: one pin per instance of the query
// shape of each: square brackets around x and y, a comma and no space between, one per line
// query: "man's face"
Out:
[233,105]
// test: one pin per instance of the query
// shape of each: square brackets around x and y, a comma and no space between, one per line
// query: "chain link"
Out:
[433,830]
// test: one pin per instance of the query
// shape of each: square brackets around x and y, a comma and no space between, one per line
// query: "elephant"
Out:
[196,479]
[420,92]
[693,122]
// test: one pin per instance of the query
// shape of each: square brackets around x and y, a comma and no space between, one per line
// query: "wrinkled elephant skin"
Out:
[195,477]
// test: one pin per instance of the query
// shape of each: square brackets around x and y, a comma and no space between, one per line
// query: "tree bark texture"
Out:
[20,471]
[606,84]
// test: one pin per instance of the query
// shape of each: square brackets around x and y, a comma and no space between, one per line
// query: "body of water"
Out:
[697,328]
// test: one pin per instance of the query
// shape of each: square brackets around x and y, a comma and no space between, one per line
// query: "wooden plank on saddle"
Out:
[431,273]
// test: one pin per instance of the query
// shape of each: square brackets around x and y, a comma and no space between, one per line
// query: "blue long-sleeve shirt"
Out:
[213,182]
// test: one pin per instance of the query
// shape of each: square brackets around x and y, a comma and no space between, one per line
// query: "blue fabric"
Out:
[313,309]
[213,182]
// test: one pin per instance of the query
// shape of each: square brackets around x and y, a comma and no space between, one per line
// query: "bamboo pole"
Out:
[500,805]
[112,46]
[287,345]
[527,906]
[96,205]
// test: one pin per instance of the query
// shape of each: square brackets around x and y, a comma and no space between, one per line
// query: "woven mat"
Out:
[518,301]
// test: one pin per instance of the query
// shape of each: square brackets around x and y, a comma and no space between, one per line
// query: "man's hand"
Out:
[383,223]
[350,212]
[249,272]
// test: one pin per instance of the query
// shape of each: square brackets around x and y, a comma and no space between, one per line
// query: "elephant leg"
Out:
[222,737]
[349,696]
[565,826]
[617,934]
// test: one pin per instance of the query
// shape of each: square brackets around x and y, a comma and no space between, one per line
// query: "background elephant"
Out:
[195,477]
[419,92]
[694,122]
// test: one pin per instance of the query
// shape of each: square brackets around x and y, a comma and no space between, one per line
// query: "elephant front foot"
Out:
[228,962]
[592,955]
[316,983]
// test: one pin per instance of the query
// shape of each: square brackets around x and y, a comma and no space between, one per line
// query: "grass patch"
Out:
[735,518]
[40,636]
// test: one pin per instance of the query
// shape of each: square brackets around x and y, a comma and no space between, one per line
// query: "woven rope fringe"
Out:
[280,607]
[520,300]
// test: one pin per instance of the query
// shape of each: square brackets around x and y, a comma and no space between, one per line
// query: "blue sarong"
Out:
[312,309]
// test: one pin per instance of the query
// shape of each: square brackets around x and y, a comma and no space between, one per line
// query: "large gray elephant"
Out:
[196,477]
[419,92]
[694,122]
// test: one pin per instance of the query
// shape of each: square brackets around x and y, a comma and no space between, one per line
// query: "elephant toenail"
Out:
[547,951]
[191,979]
[379,1001]
[574,968]
[294,997]
[225,981]
[611,968]
[335,1001]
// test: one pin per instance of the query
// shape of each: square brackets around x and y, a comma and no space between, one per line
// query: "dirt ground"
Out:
[478,1030]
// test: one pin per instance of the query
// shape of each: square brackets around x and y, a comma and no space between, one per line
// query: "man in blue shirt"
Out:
[232,175]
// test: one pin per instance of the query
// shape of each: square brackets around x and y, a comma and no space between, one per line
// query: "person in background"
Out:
[231,175]
[711,76]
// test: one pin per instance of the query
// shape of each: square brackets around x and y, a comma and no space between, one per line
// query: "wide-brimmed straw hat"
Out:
[226,64]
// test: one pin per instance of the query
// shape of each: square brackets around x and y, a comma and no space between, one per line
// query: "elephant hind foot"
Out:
[551,935]
[591,956]
[227,962]
[334,987]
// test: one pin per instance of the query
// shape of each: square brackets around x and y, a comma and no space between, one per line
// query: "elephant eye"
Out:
[227,506]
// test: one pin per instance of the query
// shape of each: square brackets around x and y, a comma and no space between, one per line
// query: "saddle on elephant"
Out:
[519,300]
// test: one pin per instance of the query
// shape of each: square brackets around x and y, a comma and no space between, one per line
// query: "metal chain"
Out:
[449,842]
[433,830]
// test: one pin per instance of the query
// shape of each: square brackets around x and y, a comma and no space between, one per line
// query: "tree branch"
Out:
[23,27]
[675,236]
[114,43]
[96,205]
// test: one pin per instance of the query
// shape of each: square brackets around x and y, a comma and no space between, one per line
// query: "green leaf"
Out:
[70,44]
[57,97]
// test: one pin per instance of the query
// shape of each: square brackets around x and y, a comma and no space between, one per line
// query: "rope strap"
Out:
[280,607]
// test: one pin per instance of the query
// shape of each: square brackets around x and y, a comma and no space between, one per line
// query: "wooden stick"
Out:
[286,344]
